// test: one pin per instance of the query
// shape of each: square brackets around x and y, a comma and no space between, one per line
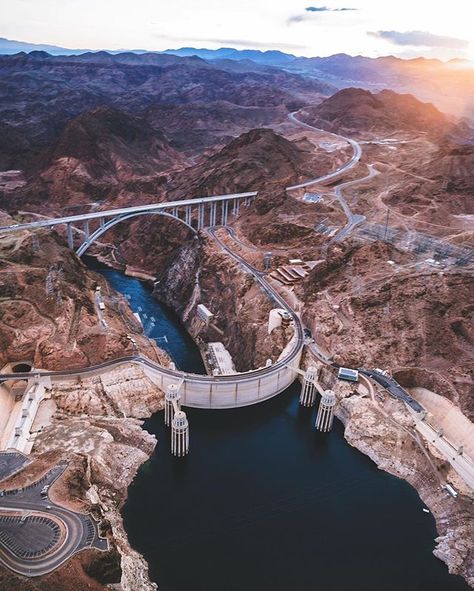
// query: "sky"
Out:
[405,28]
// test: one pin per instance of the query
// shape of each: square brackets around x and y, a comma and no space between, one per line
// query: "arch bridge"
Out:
[196,214]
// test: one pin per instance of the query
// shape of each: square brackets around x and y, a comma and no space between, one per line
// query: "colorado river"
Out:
[263,503]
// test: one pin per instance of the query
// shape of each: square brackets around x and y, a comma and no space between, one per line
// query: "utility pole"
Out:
[386,224]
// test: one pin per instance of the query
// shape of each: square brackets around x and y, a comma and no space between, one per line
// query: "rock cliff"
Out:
[201,273]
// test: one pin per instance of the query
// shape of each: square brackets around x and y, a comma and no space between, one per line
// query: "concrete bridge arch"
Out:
[103,228]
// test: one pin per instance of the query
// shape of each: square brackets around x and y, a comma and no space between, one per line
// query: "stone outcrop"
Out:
[48,307]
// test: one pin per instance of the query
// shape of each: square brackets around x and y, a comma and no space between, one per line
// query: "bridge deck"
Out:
[126,210]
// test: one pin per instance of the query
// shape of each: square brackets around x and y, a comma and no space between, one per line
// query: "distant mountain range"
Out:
[269,57]
[450,85]
[10,47]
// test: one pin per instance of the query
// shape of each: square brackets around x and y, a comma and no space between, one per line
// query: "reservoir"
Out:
[263,503]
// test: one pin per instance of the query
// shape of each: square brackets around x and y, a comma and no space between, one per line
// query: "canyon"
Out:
[117,130]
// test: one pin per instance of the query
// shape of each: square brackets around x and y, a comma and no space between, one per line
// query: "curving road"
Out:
[80,529]
[357,153]
[393,387]
[352,219]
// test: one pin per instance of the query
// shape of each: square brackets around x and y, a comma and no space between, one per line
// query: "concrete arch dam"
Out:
[204,391]
[200,391]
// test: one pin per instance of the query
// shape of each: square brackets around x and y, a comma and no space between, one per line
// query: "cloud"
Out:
[326,9]
[312,11]
[420,39]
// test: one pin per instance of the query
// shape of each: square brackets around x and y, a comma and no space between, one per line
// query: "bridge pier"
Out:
[325,416]
[225,209]
[213,214]
[70,237]
[86,230]
[180,434]
[308,391]
[187,214]
[200,216]
[172,397]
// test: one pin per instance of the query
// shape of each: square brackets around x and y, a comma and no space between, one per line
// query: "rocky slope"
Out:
[101,155]
[48,312]
[452,166]
[199,125]
[357,110]
[417,323]
[256,160]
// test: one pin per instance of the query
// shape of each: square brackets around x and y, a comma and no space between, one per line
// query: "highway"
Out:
[461,463]
[80,529]
[352,219]
[357,153]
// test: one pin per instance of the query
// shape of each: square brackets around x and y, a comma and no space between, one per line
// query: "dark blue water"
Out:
[177,341]
[263,503]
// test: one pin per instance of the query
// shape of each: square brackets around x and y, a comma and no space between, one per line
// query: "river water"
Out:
[263,503]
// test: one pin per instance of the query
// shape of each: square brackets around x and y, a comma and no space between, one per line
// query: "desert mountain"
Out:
[256,159]
[71,85]
[355,110]
[201,125]
[100,153]
[453,163]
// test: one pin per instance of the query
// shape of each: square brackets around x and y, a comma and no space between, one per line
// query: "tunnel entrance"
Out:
[22,367]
